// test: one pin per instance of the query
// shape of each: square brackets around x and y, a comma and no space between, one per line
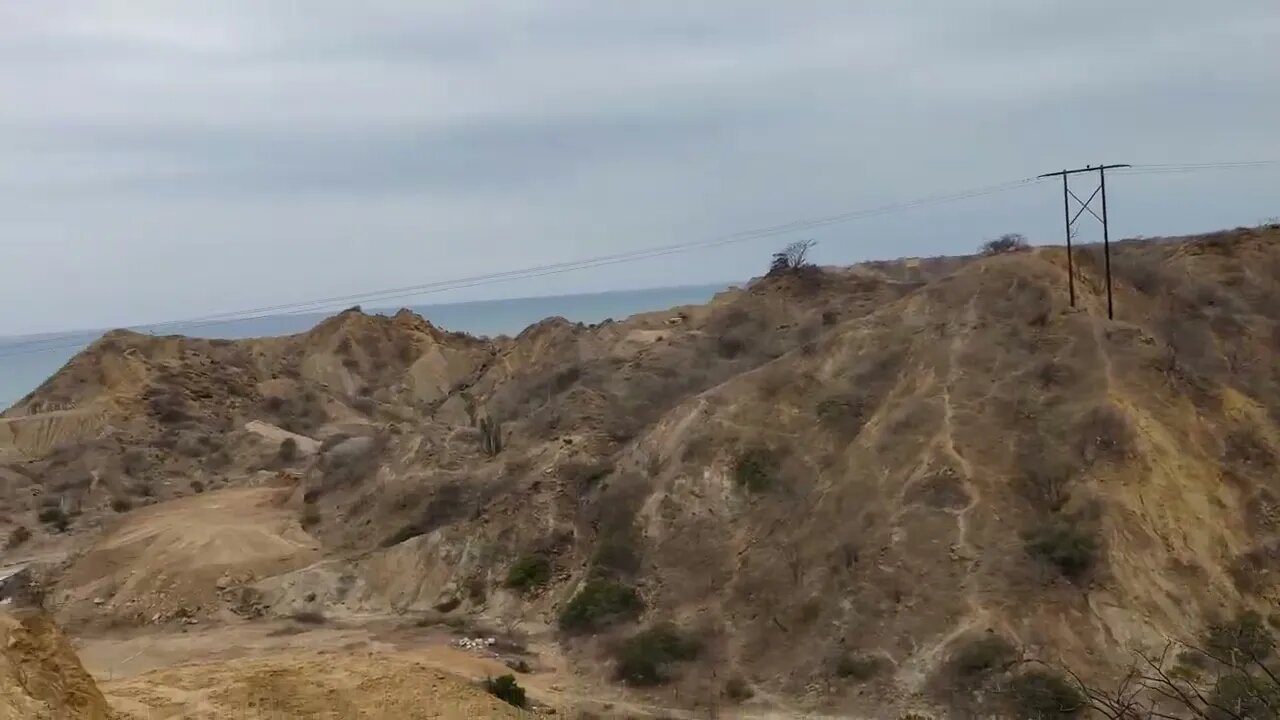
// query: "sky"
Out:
[166,160]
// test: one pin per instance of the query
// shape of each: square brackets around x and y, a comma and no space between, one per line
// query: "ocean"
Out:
[27,361]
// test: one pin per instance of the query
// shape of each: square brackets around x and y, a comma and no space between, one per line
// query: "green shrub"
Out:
[1071,548]
[1246,695]
[529,571]
[858,667]
[599,602]
[1240,640]
[646,657]
[1044,695]
[506,688]
[755,468]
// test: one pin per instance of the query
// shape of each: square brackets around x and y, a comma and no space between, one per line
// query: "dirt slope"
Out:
[40,676]
[832,480]
[183,558]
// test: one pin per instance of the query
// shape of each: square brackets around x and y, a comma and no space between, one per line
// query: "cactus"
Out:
[490,436]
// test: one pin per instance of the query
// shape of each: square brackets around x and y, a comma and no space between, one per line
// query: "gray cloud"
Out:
[166,160]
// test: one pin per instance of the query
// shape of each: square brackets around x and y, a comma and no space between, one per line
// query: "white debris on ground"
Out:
[474,644]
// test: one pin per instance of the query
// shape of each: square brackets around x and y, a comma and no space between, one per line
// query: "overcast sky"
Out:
[162,160]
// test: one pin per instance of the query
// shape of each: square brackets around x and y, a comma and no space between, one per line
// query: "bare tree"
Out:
[1007,243]
[791,258]
[1227,676]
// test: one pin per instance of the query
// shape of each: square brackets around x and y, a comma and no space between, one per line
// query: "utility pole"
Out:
[1067,195]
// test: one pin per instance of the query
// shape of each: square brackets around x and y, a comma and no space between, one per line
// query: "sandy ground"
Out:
[194,670]
[372,669]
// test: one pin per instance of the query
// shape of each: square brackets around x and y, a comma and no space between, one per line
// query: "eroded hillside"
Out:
[813,493]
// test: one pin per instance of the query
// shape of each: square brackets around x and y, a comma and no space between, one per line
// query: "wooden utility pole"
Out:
[1067,195]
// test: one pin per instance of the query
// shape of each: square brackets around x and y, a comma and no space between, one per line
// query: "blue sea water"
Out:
[27,361]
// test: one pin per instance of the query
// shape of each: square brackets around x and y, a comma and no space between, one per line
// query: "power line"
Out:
[48,344]
[1197,167]
[61,341]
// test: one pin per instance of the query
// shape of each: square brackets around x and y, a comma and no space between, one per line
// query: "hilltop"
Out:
[811,494]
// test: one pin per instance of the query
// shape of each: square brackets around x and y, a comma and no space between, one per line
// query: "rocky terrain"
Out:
[814,495]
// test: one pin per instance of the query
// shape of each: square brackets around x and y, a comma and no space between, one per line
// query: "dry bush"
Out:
[364,405]
[1046,695]
[349,469]
[309,617]
[18,536]
[199,445]
[581,475]
[731,346]
[618,545]
[141,488]
[168,405]
[1106,434]
[449,503]
[1245,447]
[756,468]
[121,504]
[698,450]
[506,688]
[302,414]
[737,689]
[859,667]
[332,441]
[617,552]
[1069,544]
[55,516]
[1047,488]
[310,516]
[135,461]
[288,451]
[1223,242]
[976,658]
[843,414]
[219,460]
[772,381]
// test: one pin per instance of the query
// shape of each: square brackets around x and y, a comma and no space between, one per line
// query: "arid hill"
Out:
[819,493]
